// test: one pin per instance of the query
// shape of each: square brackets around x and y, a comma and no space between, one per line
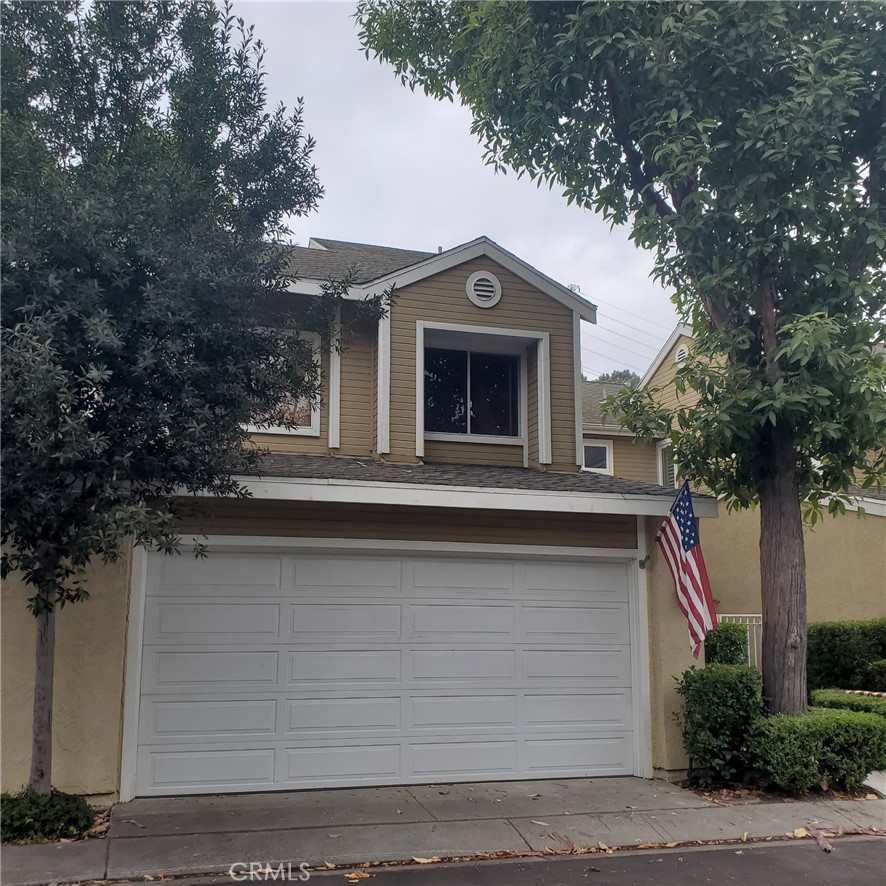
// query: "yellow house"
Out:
[425,584]
[845,555]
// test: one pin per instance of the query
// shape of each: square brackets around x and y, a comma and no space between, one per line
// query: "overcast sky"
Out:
[401,169]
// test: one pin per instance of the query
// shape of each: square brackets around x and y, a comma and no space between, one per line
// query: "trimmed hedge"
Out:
[728,644]
[52,816]
[840,653]
[833,698]
[876,678]
[720,704]
[824,747]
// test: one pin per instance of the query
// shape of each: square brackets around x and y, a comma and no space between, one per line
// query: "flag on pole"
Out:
[681,546]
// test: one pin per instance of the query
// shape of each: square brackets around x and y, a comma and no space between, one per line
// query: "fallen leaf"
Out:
[432,860]
[333,836]
[131,821]
[444,793]
[329,866]
[544,824]
[671,845]
[356,876]
[148,877]
[799,833]
[871,797]
[744,837]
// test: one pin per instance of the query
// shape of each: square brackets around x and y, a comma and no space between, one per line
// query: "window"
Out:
[667,469]
[598,457]
[303,412]
[472,393]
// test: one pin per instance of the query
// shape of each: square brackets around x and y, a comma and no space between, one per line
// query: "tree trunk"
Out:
[41,749]
[783,582]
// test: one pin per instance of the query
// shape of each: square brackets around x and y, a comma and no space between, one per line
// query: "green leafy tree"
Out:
[145,188]
[745,145]
[620,377]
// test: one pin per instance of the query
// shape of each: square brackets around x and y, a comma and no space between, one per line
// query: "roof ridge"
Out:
[369,245]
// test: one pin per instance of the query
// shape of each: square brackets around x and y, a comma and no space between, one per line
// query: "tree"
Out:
[144,181]
[620,377]
[745,144]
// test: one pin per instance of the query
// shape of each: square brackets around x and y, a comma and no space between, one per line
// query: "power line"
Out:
[642,344]
[628,350]
[616,359]
[627,325]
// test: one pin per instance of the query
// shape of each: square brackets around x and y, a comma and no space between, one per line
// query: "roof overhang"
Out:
[443,261]
[491,498]
[681,330]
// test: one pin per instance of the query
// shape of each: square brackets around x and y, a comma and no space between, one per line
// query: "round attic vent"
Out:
[681,355]
[483,289]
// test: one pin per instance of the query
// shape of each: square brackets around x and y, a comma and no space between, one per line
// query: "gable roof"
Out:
[382,266]
[681,330]
[325,259]
[593,393]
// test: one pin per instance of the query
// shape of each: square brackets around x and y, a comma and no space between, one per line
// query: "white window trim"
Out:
[493,439]
[333,431]
[659,447]
[543,380]
[313,429]
[383,394]
[607,445]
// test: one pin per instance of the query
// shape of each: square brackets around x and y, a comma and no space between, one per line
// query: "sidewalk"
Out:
[202,835]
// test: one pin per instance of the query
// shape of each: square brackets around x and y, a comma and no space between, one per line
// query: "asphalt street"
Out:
[854,862]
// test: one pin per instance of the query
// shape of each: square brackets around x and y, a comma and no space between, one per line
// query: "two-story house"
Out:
[845,554]
[425,584]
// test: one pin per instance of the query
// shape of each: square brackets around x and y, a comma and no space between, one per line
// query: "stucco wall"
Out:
[669,656]
[845,564]
[88,692]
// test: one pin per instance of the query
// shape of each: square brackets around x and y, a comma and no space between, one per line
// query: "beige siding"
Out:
[631,460]
[322,520]
[661,385]
[358,390]
[442,298]
[449,452]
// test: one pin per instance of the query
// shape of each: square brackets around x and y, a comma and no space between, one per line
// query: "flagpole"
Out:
[645,561]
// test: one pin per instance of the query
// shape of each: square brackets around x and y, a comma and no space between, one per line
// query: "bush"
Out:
[833,698]
[26,816]
[728,644]
[876,678]
[831,748]
[840,653]
[720,704]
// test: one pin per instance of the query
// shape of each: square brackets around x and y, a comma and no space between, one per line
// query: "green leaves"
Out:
[144,179]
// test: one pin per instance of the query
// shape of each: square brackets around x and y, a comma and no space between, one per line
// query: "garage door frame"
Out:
[637,605]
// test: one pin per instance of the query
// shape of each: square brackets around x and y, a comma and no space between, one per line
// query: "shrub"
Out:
[876,678]
[840,653]
[827,747]
[720,704]
[26,816]
[728,644]
[833,698]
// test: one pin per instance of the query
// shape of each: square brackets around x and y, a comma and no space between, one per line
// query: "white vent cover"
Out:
[483,289]
[681,355]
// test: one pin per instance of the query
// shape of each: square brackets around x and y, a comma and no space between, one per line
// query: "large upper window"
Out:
[467,392]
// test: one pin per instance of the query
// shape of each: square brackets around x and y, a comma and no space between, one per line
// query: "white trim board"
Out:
[443,261]
[637,604]
[486,498]
[681,330]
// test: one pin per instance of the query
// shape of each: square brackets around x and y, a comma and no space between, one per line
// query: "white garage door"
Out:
[271,671]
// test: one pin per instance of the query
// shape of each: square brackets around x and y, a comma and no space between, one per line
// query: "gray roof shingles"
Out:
[338,258]
[593,393]
[323,467]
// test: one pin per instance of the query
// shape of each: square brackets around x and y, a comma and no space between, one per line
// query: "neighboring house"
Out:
[845,555]
[424,585]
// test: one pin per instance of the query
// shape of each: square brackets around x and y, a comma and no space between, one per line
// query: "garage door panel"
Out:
[339,666]
[596,667]
[340,765]
[587,625]
[342,716]
[205,622]
[218,575]
[286,671]
[316,622]
[167,670]
[604,710]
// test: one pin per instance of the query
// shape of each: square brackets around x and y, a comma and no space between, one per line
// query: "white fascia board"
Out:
[875,506]
[486,498]
[673,338]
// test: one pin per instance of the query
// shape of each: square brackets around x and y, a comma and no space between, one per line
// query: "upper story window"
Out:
[667,467]
[467,392]
[303,412]
[598,457]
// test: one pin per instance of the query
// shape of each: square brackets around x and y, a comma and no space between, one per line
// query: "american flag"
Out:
[680,544]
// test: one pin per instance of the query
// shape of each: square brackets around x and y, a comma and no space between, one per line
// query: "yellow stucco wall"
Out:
[88,692]
[845,564]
